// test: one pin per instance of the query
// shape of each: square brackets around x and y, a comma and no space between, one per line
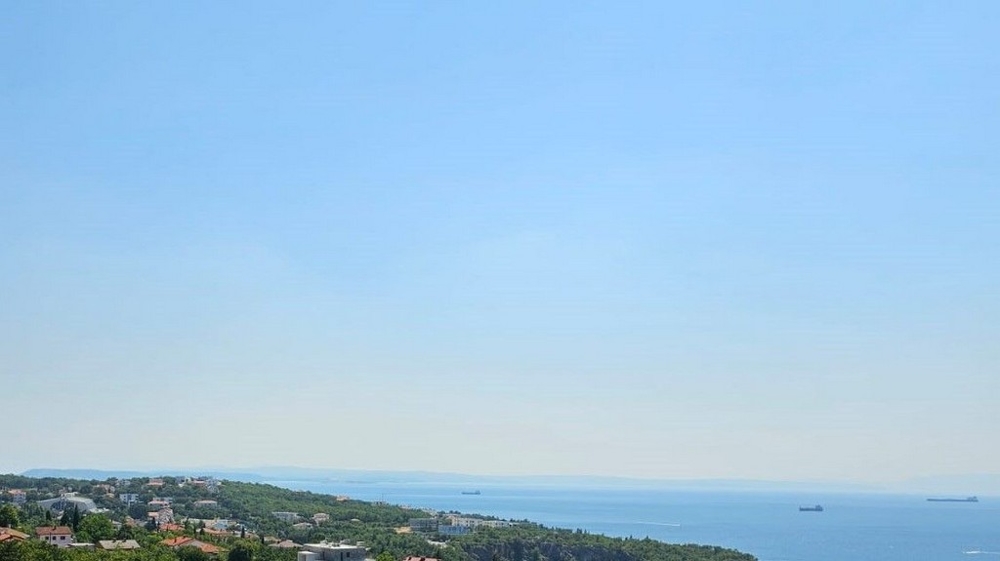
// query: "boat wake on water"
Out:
[979,552]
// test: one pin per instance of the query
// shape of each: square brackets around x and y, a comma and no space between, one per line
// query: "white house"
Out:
[59,536]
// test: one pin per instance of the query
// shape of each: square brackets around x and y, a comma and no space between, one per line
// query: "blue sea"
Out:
[852,527]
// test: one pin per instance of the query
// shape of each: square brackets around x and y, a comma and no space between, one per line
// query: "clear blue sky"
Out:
[647,239]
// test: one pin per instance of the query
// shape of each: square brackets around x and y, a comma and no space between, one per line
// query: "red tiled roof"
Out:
[54,531]
[182,541]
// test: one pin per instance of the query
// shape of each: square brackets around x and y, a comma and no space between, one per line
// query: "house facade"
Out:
[59,536]
[18,497]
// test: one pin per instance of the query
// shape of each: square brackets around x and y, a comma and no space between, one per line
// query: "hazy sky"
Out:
[644,239]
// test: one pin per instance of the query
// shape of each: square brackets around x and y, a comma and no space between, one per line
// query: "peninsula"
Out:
[191,518]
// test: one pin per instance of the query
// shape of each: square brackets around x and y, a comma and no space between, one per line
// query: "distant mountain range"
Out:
[985,484]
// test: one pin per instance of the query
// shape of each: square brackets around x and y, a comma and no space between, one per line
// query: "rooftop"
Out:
[53,531]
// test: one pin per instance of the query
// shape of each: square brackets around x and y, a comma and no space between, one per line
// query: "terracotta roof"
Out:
[182,541]
[54,531]
[10,533]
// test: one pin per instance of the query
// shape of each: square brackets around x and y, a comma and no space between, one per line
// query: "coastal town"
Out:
[188,514]
[194,518]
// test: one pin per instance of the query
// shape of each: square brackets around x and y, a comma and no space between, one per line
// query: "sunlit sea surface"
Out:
[852,527]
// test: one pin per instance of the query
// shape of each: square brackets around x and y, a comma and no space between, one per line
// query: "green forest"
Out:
[253,529]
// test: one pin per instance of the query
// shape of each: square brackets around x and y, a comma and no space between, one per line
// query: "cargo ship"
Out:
[814,508]
[953,500]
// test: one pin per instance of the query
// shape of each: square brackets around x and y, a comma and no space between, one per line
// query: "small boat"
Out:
[476,492]
[814,508]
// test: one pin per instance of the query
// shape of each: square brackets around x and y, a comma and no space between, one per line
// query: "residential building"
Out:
[59,536]
[212,485]
[18,497]
[110,545]
[129,498]
[453,531]
[286,516]
[325,551]
[424,525]
[321,517]
[162,516]
[182,541]
[478,522]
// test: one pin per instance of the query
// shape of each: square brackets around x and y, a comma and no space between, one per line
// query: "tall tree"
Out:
[96,527]
[8,516]
[76,518]
[242,551]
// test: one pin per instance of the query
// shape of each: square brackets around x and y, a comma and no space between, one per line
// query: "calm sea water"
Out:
[768,525]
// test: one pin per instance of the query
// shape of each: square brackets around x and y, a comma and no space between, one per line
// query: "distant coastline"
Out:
[465,481]
[944,486]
